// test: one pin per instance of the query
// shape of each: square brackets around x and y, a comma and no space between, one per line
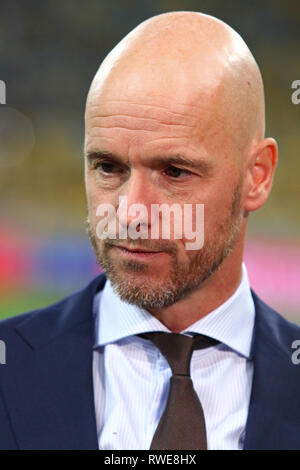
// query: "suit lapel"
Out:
[274,411]
[50,399]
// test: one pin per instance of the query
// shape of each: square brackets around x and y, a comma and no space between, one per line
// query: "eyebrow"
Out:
[158,161]
[103,154]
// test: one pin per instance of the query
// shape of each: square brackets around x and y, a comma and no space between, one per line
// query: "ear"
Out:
[260,173]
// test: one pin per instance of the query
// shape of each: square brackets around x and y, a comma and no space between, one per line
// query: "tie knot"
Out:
[178,348]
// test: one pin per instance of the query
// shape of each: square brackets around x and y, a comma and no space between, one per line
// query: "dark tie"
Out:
[182,425]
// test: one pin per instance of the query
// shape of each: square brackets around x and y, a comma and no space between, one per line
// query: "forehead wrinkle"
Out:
[102,118]
[143,111]
[163,123]
[129,116]
[97,97]
[124,120]
[143,132]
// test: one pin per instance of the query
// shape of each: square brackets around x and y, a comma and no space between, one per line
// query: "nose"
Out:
[135,201]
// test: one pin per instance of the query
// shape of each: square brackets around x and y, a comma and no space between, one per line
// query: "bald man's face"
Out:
[158,145]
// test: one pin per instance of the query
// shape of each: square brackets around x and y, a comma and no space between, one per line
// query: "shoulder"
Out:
[74,308]
[273,328]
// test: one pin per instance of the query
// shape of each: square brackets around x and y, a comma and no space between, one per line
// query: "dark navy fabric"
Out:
[46,385]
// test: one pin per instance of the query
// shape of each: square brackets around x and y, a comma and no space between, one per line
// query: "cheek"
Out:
[90,193]
[217,209]
[100,204]
[93,200]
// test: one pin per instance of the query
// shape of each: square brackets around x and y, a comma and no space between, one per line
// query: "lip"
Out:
[138,253]
[137,249]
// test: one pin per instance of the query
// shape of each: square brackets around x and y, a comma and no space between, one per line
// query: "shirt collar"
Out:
[231,323]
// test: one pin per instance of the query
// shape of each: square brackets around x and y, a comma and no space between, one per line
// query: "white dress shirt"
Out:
[131,376]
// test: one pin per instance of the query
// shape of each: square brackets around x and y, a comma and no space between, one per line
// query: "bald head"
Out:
[193,60]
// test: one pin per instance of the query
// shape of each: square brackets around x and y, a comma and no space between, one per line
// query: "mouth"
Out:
[137,252]
[138,249]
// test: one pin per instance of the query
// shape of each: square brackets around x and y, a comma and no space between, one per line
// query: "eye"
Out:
[175,172]
[107,167]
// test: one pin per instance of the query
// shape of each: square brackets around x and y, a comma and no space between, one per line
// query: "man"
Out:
[175,115]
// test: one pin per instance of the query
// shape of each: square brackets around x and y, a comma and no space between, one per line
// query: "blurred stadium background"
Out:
[49,52]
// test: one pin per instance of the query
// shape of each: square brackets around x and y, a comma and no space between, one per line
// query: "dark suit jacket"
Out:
[46,385]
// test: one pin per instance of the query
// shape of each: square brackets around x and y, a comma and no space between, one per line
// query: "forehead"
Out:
[165,119]
[143,116]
